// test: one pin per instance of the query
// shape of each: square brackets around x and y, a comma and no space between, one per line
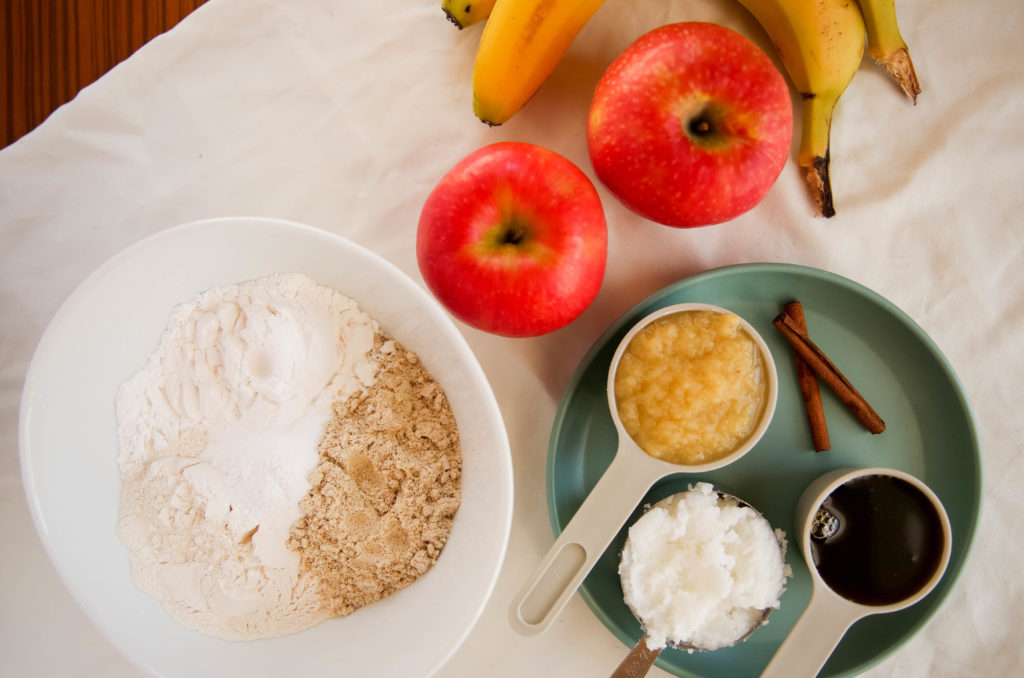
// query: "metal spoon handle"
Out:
[638,662]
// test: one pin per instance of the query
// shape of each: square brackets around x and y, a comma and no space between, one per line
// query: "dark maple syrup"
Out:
[885,544]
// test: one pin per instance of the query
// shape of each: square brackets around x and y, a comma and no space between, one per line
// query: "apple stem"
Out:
[513,235]
[700,126]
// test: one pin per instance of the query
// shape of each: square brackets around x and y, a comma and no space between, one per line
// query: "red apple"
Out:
[513,240]
[690,125]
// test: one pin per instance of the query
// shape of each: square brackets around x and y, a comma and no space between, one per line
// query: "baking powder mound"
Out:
[218,434]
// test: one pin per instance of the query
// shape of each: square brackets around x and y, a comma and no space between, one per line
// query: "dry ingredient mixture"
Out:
[274,415]
[689,387]
[385,491]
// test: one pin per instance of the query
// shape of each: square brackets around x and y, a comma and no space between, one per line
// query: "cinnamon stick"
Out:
[808,383]
[829,373]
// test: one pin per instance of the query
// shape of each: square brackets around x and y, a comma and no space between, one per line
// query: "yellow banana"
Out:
[821,44]
[522,42]
[886,46]
[464,13]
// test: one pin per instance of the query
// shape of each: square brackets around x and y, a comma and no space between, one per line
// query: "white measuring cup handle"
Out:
[810,643]
[581,543]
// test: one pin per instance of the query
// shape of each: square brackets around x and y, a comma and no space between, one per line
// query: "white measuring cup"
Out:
[630,475]
[829,615]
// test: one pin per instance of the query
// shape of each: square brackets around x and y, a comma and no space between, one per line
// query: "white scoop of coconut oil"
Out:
[701,570]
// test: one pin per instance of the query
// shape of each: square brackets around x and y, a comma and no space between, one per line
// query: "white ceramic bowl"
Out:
[68,448]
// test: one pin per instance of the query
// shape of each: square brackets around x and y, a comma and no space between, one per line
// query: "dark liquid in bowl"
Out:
[888,544]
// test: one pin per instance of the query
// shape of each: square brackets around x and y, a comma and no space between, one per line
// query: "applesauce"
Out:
[690,387]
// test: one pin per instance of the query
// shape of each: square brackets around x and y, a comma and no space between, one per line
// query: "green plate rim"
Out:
[955,569]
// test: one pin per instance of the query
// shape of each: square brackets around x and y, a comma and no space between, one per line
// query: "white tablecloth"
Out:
[343,115]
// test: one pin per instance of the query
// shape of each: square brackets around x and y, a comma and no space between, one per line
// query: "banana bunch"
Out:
[820,43]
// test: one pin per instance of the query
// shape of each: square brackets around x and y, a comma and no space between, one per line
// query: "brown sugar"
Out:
[386,490]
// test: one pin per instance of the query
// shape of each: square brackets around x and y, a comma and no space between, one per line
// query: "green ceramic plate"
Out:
[930,433]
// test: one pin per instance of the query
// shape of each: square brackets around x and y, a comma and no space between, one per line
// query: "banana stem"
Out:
[821,186]
[900,67]
[886,45]
[814,149]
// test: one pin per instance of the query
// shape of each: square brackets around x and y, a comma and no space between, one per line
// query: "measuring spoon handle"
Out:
[812,639]
[581,543]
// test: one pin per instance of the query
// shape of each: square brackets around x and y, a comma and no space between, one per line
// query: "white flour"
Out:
[218,433]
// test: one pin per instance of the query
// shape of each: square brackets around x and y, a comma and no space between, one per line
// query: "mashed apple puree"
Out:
[690,387]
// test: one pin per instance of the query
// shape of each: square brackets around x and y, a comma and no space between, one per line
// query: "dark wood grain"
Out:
[50,49]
